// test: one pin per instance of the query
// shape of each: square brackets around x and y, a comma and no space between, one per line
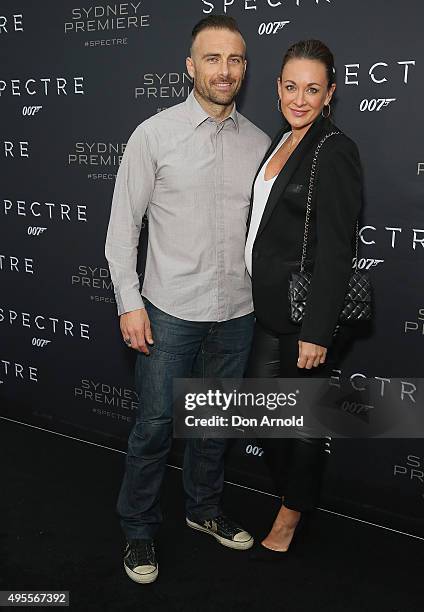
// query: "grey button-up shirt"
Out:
[194,177]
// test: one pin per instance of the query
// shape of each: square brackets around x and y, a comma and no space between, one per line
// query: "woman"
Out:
[273,250]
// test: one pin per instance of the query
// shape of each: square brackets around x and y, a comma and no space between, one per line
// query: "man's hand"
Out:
[135,325]
[310,355]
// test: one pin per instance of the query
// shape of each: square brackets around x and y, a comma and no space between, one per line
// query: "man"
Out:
[191,166]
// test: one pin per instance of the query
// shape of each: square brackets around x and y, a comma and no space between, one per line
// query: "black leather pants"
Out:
[296,464]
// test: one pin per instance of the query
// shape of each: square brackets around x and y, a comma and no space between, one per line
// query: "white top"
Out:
[261,191]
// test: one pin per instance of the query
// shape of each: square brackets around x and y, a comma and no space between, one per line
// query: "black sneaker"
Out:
[140,561]
[225,531]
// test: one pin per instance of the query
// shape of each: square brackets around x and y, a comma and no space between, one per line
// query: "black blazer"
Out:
[277,249]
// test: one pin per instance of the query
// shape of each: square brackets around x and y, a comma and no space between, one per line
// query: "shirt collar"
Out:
[198,115]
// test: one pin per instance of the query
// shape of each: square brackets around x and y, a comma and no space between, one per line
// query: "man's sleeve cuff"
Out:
[127,302]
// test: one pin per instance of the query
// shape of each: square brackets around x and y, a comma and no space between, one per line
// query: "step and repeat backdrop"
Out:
[76,78]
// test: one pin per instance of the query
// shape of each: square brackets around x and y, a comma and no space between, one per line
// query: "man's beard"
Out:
[223,99]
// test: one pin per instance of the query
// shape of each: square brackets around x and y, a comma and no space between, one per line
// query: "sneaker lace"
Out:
[142,552]
[226,524]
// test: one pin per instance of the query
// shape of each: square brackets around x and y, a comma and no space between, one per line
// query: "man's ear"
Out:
[190,67]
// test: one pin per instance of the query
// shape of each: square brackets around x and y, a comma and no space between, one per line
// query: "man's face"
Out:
[217,65]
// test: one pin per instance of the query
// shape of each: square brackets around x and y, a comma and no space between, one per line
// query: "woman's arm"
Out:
[338,202]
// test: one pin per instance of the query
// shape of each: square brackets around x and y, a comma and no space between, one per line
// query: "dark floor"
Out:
[59,531]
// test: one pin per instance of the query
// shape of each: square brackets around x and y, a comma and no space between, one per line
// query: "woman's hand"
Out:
[311,355]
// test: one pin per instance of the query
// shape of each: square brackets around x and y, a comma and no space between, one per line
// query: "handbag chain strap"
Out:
[309,204]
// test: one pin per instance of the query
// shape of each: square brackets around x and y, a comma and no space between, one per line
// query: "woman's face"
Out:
[303,91]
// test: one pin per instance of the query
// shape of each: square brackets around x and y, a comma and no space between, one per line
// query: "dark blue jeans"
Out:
[181,349]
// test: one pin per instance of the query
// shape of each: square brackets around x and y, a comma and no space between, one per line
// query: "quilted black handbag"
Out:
[357,305]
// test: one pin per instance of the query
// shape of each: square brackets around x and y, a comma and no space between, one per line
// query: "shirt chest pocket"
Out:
[184,185]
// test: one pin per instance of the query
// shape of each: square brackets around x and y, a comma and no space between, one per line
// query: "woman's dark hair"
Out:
[313,50]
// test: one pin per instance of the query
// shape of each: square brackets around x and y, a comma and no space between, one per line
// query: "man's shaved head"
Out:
[214,22]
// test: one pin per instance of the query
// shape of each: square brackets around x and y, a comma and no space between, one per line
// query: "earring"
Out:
[279,104]
[329,111]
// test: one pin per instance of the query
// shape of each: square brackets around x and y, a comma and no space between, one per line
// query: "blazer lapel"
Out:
[271,148]
[283,179]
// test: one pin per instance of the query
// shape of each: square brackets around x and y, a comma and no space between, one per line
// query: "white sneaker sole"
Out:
[142,578]
[228,543]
